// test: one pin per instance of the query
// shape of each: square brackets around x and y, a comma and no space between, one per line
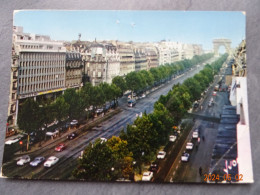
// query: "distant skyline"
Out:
[198,27]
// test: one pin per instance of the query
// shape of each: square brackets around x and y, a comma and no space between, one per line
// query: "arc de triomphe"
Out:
[219,42]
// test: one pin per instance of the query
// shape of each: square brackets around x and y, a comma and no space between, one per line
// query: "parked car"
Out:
[12,141]
[72,136]
[74,122]
[103,140]
[51,161]
[161,155]
[106,107]
[53,132]
[154,167]
[37,161]
[99,110]
[147,176]
[189,146]
[195,134]
[172,138]
[60,147]
[185,157]
[23,160]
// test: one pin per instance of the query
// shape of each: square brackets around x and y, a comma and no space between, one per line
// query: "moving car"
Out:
[161,155]
[51,161]
[23,160]
[185,157]
[147,176]
[60,147]
[189,146]
[72,136]
[131,103]
[37,161]
[172,138]
[214,93]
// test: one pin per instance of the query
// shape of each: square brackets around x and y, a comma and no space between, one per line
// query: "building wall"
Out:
[74,67]
[127,58]
[38,68]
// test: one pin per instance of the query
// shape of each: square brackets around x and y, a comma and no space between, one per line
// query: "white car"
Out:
[147,176]
[172,138]
[161,155]
[12,141]
[185,157]
[74,122]
[51,161]
[23,160]
[52,133]
[103,140]
[189,146]
[195,134]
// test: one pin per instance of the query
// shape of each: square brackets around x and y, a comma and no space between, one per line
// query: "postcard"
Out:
[128,96]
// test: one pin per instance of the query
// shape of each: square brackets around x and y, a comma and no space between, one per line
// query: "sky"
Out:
[138,26]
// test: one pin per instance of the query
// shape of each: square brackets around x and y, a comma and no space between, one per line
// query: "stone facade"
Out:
[74,67]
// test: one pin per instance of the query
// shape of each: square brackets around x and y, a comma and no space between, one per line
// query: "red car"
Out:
[60,147]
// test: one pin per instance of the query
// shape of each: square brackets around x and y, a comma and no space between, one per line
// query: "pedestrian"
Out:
[197,147]
[200,171]
[203,138]
[198,140]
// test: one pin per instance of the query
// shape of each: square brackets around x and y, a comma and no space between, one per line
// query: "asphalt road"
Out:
[106,129]
[201,157]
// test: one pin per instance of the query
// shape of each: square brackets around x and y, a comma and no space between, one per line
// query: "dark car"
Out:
[154,167]
[37,161]
[131,103]
[72,136]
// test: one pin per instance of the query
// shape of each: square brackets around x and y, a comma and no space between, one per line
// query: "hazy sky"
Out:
[139,26]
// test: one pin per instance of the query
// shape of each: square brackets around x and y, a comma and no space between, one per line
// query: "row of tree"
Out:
[34,115]
[142,80]
[144,137]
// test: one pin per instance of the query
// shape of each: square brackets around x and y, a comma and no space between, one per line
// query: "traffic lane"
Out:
[200,157]
[149,104]
[191,173]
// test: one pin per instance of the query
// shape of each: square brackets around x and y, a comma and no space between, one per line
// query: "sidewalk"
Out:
[63,136]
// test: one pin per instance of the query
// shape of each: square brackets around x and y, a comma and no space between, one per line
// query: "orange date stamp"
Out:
[226,177]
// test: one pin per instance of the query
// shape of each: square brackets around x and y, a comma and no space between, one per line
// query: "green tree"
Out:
[121,83]
[194,88]
[75,103]
[29,119]
[97,163]
[124,158]
[133,81]
[142,139]
[162,121]
[116,92]
[60,108]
